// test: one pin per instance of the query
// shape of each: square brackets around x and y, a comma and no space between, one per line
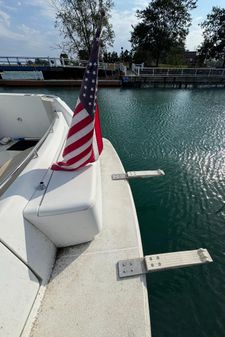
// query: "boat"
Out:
[65,223]
[71,256]
[62,233]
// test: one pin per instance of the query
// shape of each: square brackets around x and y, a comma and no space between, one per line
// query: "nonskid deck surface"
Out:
[85,297]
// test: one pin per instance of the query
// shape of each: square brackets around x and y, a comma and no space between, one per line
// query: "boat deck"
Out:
[5,154]
[85,297]
[10,159]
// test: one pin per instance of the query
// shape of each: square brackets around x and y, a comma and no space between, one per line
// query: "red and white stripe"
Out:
[84,140]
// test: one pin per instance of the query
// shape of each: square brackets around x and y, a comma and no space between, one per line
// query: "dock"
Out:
[181,78]
[26,71]
[55,83]
[62,72]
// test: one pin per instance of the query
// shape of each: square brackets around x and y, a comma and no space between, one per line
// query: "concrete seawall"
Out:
[173,81]
[55,83]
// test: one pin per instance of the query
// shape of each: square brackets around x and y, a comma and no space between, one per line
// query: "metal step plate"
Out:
[159,262]
[177,259]
[138,174]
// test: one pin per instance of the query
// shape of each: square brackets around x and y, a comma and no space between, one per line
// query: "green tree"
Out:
[78,20]
[164,25]
[114,57]
[105,57]
[127,56]
[213,46]
[176,56]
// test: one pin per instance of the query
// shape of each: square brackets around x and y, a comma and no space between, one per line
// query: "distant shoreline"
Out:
[55,83]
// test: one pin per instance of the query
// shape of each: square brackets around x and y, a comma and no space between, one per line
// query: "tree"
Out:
[213,46]
[78,21]
[164,25]
[110,57]
[114,57]
[176,56]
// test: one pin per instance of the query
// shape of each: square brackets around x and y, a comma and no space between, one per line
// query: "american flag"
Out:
[84,139]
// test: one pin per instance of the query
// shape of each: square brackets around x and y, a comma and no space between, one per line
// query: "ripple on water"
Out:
[183,133]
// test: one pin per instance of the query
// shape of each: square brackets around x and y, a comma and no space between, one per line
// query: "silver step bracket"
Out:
[165,261]
[138,174]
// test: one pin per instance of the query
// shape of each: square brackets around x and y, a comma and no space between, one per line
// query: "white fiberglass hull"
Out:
[84,296]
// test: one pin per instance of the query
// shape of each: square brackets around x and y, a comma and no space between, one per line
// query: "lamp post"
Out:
[121,54]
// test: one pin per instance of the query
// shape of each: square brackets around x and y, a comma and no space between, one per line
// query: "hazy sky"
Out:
[27,26]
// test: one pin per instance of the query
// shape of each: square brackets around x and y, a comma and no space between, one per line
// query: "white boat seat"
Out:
[69,211]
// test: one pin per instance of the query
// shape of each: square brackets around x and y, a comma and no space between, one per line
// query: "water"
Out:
[182,132]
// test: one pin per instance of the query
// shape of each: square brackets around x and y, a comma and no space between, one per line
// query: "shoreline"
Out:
[55,83]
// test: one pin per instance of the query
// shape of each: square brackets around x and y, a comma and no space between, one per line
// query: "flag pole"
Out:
[83,143]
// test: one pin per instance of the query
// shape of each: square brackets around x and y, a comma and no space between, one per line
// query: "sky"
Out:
[27,26]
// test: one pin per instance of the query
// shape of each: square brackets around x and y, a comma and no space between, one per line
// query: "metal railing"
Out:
[21,61]
[140,70]
[33,62]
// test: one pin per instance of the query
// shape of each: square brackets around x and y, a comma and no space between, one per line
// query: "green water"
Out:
[182,132]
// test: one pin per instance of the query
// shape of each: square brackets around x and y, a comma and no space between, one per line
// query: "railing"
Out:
[33,62]
[29,61]
[140,70]
[136,68]
[123,69]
